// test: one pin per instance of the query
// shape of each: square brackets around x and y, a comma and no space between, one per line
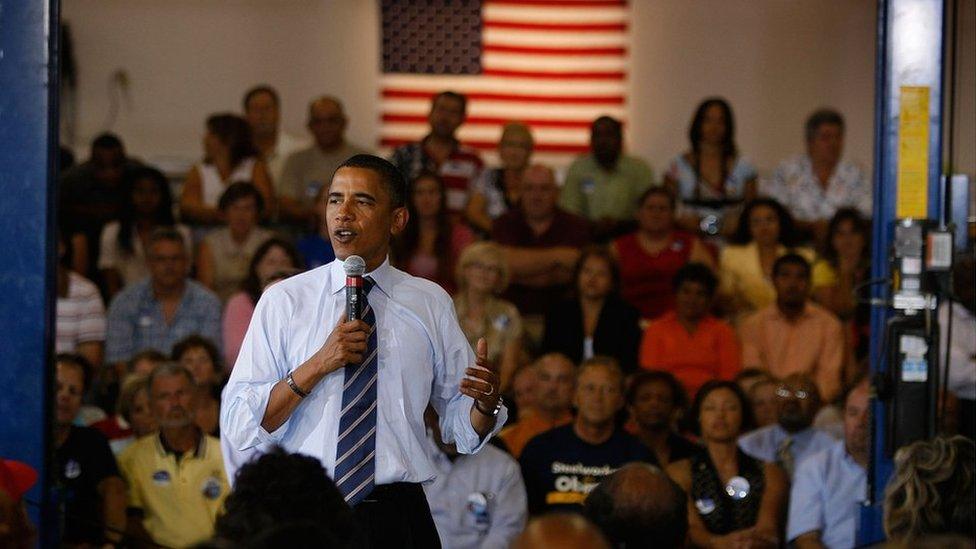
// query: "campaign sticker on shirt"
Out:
[161,478]
[72,469]
[705,505]
[677,246]
[738,488]
[312,189]
[588,185]
[145,321]
[500,322]
[211,488]
[478,515]
[454,168]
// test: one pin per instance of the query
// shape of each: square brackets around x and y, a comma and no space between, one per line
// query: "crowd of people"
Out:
[683,357]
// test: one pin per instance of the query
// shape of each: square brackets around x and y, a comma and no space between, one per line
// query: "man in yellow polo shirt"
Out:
[176,477]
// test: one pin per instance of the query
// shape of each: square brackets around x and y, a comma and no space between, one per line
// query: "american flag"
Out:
[554,65]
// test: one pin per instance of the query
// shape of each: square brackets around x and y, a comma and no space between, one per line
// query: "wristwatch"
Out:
[494,411]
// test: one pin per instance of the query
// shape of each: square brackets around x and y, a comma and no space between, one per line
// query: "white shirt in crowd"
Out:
[796,186]
[962,351]
[132,267]
[80,315]
[286,145]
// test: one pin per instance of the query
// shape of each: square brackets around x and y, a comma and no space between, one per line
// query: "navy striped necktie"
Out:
[355,468]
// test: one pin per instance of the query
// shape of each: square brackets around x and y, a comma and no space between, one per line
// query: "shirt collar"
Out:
[164,449]
[382,276]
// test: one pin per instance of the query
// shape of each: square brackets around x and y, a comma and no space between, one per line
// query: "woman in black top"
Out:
[596,321]
[733,499]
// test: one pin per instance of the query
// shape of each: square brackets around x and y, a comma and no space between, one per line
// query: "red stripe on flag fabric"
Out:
[557,75]
[493,145]
[567,51]
[494,120]
[512,97]
[563,27]
[557,3]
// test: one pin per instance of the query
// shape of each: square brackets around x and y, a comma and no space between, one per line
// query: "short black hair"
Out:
[169,234]
[657,191]
[280,487]
[393,179]
[694,417]
[107,141]
[259,89]
[787,231]
[80,362]
[820,117]
[698,273]
[791,259]
[459,97]
[606,119]
[238,191]
[645,377]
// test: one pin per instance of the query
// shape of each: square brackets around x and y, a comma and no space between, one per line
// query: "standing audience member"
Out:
[542,244]
[793,438]
[133,419]
[639,505]
[650,256]
[962,347]
[157,312]
[604,185]
[80,313]
[795,335]
[16,530]
[224,255]
[440,152]
[817,184]
[477,500]
[482,275]
[596,321]
[560,531]
[92,492]
[733,499]
[830,485]
[202,359]
[555,379]
[306,171]
[498,190]
[262,111]
[316,248]
[746,266]
[431,243]
[711,180]
[229,157]
[688,341]
[272,261]
[176,478]
[931,491]
[562,466]
[657,402]
[147,205]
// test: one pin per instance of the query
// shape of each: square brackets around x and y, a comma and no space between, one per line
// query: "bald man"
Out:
[560,531]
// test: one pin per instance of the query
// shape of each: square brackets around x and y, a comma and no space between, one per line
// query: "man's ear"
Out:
[400,218]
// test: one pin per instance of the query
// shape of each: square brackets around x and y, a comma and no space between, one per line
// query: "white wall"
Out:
[774,60]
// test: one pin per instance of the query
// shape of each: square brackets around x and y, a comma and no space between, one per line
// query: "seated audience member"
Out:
[829,485]
[604,185]
[560,531]
[962,348]
[440,152]
[639,505]
[562,465]
[145,361]
[650,256]
[91,194]
[92,492]
[793,437]
[316,248]
[476,500]
[750,377]
[555,378]
[931,491]
[746,265]
[542,243]
[711,180]
[262,111]
[176,477]
[733,499]
[657,401]
[497,190]
[282,488]
[273,260]
[431,243]
[794,335]
[762,398]
[202,359]
[229,157]
[596,321]
[157,312]
[839,277]
[306,171]
[817,184]
[16,530]
[525,393]
[482,275]
[80,313]
[133,418]
[147,204]
[224,254]
[688,341]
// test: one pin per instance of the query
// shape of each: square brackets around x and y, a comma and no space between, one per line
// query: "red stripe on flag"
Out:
[493,145]
[557,75]
[513,97]
[493,121]
[563,27]
[558,3]
[539,50]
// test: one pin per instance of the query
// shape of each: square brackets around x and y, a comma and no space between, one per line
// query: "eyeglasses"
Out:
[783,392]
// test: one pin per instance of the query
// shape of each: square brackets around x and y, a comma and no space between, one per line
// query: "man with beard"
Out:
[605,185]
[792,438]
[176,477]
[657,401]
[555,377]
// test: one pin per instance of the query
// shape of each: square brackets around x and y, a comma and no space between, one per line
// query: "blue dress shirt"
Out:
[764,442]
[422,358]
[827,490]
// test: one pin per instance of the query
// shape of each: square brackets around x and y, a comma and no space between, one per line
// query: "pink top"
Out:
[426,266]
[237,316]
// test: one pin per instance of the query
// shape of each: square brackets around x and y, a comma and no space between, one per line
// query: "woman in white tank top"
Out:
[230,157]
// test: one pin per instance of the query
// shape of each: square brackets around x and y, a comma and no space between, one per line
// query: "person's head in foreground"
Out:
[560,531]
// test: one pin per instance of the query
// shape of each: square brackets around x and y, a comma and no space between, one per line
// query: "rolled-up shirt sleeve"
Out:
[806,502]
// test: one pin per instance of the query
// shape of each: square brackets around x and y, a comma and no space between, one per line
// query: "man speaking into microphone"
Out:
[352,389]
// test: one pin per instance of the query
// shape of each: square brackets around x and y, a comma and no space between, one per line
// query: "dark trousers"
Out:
[396,515]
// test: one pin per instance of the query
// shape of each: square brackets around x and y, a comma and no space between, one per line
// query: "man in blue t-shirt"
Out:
[563,465]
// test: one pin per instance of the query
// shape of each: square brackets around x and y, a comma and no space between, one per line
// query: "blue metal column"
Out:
[28,145]
[909,53]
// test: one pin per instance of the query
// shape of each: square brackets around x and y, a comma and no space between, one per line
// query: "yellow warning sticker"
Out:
[913,153]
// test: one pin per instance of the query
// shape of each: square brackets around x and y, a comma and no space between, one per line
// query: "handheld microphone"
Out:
[354,267]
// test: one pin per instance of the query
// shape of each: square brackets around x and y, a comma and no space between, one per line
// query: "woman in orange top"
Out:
[689,342]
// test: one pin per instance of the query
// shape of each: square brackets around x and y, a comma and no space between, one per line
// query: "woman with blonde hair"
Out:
[482,275]
[498,189]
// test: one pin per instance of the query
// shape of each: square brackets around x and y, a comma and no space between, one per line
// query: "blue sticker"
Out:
[477,507]
[211,488]
[72,469]
[705,505]
[161,477]
[588,184]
